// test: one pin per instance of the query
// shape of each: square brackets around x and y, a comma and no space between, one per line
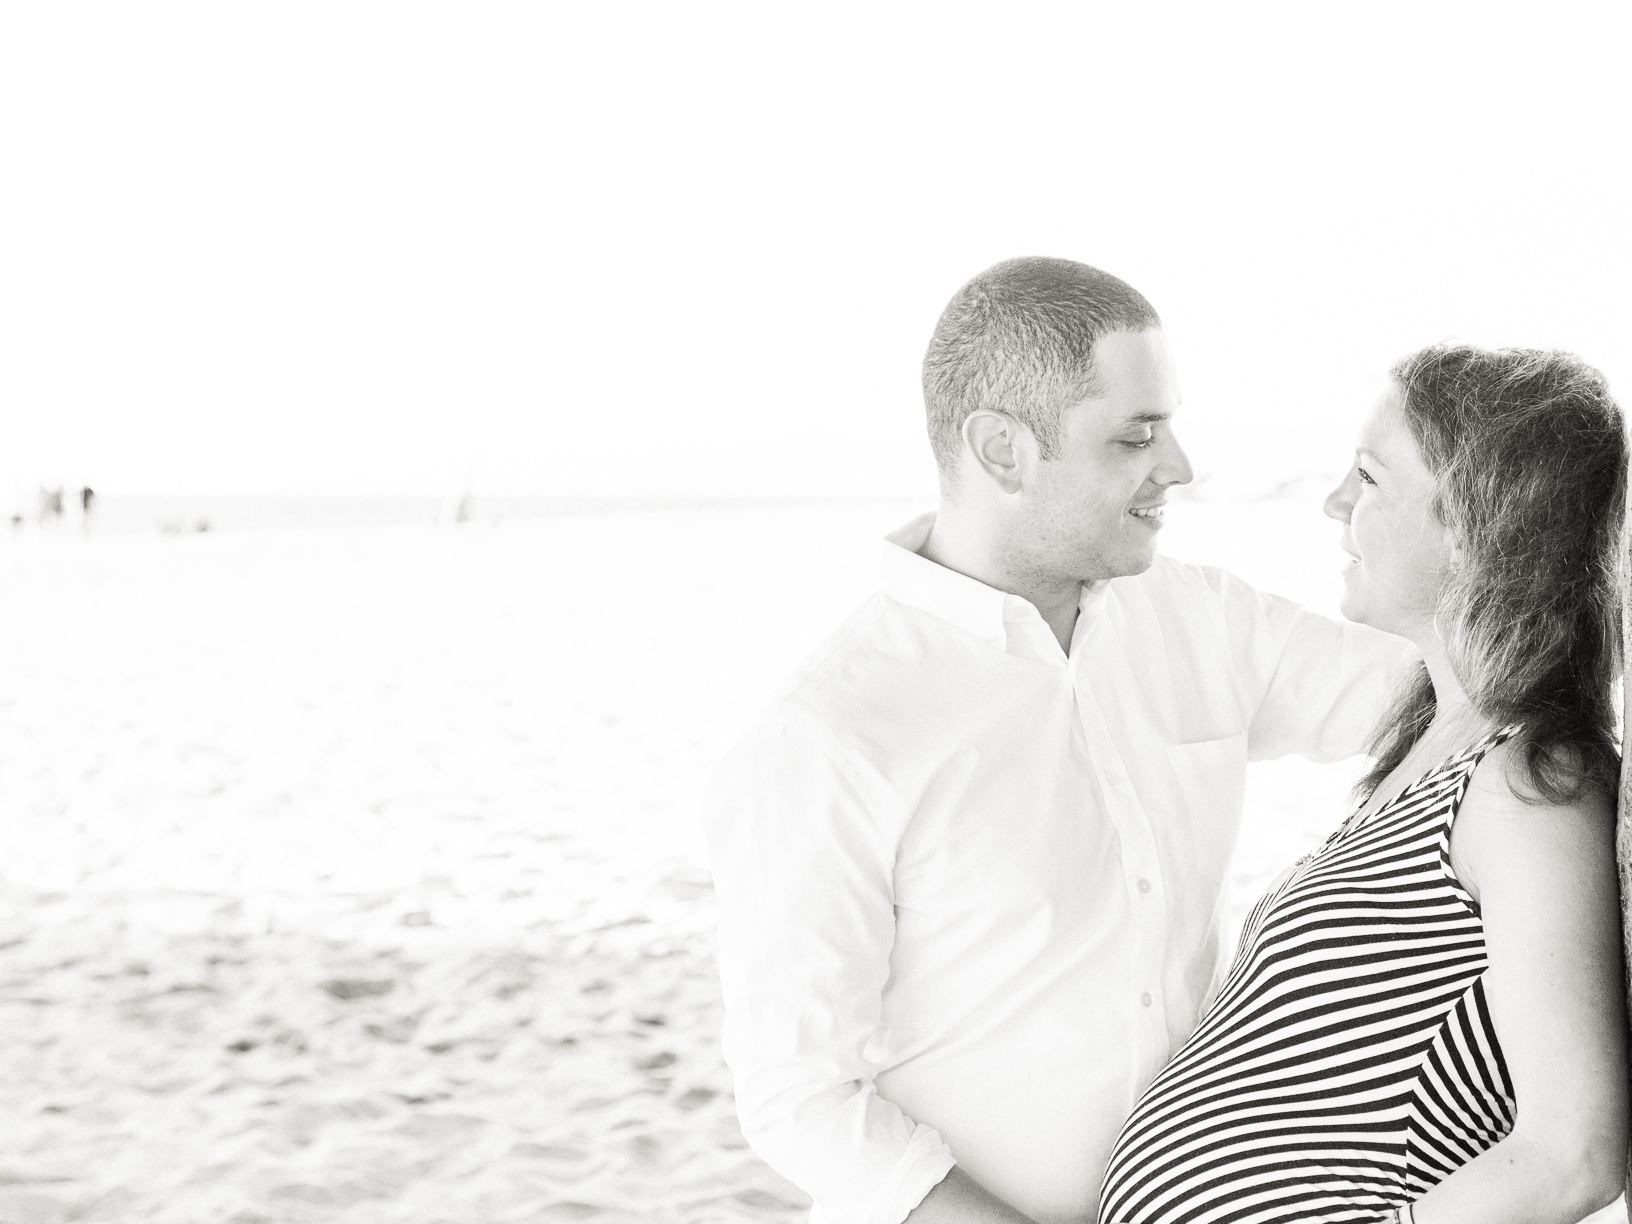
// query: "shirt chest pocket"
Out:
[1211,780]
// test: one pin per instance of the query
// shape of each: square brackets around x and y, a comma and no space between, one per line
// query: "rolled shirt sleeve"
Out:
[803,844]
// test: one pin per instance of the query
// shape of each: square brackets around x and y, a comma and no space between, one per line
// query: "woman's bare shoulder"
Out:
[1506,823]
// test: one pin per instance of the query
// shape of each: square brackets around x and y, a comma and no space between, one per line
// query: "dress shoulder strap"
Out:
[1460,769]
[1469,758]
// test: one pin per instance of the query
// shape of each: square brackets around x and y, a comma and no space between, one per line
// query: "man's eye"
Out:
[1365,476]
[1139,444]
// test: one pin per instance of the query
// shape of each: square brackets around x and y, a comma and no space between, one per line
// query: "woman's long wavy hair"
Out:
[1529,455]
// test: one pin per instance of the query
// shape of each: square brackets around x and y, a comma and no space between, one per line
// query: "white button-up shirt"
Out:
[971,886]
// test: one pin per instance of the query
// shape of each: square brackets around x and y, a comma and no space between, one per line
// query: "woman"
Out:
[1425,1020]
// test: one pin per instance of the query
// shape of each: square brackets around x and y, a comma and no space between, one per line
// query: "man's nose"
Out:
[1175,466]
[1339,502]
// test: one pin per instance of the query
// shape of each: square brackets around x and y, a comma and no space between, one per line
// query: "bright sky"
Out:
[698,248]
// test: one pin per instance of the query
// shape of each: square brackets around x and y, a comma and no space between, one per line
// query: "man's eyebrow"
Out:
[1149,418]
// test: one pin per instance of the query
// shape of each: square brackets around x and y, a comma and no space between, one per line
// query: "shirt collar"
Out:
[969,604]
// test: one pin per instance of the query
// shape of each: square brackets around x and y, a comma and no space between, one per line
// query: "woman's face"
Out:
[1400,548]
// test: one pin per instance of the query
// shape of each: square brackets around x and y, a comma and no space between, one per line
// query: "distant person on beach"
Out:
[50,505]
[1426,1015]
[970,865]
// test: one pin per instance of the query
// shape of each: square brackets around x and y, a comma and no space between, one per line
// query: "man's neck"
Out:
[1059,608]
[966,548]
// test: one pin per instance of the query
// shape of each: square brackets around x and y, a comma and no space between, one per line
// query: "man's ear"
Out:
[995,441]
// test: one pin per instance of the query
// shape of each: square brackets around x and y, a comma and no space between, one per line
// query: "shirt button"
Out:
[1145,998]
[1115,779]
[1144,885]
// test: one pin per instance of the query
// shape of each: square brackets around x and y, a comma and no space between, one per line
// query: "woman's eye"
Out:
[1365,476]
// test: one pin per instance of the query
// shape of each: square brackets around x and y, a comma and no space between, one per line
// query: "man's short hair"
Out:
[1019,338]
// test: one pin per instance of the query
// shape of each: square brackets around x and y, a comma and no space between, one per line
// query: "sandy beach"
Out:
[350,874]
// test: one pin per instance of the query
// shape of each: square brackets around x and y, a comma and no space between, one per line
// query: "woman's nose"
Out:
[1340,501]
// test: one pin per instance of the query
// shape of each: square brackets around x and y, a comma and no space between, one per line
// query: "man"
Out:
[970,864]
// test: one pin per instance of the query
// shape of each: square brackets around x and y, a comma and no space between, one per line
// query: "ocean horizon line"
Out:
[175,513]
[184,513]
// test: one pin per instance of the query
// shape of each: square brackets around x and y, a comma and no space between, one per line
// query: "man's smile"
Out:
[1151,513]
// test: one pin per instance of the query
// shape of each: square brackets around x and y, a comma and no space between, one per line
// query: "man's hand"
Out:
[960,1199]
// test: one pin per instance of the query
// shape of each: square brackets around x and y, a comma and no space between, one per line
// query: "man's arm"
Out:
[803,841]
[959,1199]
[1310,685]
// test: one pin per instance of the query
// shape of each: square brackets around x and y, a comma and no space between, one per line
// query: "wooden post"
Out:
[1623,819]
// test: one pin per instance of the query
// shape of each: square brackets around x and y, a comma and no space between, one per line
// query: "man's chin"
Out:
[1125,565]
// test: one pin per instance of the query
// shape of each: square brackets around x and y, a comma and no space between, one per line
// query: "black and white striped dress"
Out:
[1349,1062]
